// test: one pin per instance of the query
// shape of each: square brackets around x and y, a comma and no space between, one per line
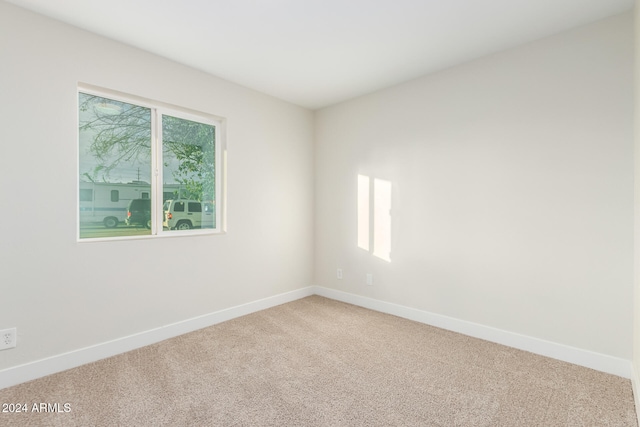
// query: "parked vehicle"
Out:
[139,212]
[107,202]
[183,214]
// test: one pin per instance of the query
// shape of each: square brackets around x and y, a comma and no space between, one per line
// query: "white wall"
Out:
[63,295]
[512,190]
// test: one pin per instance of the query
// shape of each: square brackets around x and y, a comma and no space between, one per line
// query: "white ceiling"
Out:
[318,52]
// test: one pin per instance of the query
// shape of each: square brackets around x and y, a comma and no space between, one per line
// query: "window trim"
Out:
[158,109]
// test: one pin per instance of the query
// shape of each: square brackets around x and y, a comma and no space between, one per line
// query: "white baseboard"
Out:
[51,365]
[62,362]
[577,356]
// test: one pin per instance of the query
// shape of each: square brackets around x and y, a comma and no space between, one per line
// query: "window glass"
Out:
[114,151]
[188,150]
[120,164]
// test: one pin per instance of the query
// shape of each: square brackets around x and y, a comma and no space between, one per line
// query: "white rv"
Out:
[106,203]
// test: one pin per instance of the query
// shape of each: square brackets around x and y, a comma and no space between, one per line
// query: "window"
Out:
[133,149]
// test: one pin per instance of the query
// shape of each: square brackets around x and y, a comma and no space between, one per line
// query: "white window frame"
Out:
[157,110]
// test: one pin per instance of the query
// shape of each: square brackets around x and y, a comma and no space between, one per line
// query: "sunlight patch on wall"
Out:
[374,199]
[382,219]
[363,212]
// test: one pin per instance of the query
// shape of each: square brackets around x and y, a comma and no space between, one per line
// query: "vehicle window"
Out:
[140,204]
[178,206]
[86,195]
[195,207]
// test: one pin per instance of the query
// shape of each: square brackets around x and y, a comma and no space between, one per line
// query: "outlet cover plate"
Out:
[8,338]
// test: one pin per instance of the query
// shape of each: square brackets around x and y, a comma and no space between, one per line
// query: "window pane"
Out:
[114,164]
[188,152]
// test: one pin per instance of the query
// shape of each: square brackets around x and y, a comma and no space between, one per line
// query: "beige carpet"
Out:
[318,362]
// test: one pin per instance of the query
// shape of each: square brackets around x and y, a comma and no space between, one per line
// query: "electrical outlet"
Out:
[339,273]
[369,279]
[8,338]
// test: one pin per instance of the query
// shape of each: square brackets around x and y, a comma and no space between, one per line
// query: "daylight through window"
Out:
[145,169]
[374,216]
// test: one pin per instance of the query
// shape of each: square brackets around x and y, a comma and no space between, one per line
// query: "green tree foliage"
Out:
[121,134]
[192,144]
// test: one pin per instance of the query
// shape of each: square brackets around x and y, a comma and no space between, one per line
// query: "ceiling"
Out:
[315,53]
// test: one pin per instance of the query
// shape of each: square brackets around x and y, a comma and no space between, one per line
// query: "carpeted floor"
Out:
[318,362]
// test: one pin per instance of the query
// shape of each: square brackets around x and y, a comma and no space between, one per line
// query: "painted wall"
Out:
[512,190]
[63,295]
